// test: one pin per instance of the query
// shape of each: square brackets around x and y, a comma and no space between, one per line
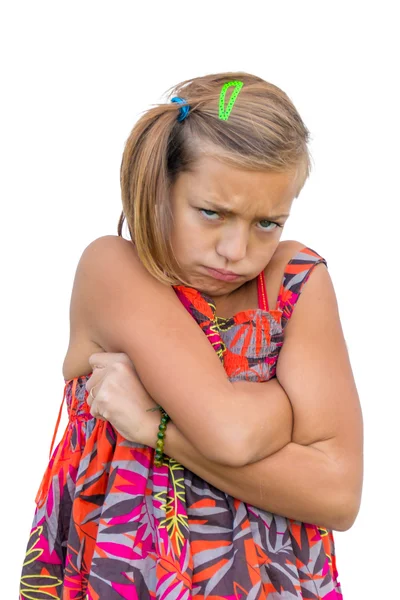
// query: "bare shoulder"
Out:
[113,285]
[102,258]
[284,252]
[317,301]
[111,273]
[108,245]
[316,294]
[275,269]
[287,249]
[114,259]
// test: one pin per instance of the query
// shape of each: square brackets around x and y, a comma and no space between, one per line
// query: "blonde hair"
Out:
[264,132]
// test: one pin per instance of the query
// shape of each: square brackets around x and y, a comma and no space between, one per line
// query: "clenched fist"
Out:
[118,396]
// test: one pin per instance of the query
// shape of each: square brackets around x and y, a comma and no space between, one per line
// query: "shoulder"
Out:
[109,265]
[95,264]
[289,269]
[108,245]
[110,258]
[282,265]
[295,261]
[283,254]
[288,249]
[113,287]
[307,287]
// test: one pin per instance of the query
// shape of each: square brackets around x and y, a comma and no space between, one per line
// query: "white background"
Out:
[75,77]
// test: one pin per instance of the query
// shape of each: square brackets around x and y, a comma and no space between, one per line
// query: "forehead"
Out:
[212,179]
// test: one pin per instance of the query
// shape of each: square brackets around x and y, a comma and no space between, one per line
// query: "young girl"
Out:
[232,489]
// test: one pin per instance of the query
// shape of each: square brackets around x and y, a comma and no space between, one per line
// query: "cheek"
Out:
[187,235]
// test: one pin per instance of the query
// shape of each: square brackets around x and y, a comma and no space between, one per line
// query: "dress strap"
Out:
[262,292]
[296,274]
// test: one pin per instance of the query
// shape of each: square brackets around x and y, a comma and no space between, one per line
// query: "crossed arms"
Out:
[292,446]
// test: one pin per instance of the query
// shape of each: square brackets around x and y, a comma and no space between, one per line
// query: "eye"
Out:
[266,225]
[208,214]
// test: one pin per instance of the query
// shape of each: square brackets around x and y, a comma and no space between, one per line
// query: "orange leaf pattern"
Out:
[110,525]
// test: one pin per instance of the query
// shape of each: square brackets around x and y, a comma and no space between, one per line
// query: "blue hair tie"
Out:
[184,110]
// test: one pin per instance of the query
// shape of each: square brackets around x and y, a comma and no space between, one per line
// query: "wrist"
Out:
[150,434]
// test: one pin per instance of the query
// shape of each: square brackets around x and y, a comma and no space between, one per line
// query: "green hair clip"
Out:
[224,114]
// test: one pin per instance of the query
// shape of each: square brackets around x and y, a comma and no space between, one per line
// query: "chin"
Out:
[218,288]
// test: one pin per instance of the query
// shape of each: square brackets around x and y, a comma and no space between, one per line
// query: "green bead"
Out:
[162,427]
[161,435]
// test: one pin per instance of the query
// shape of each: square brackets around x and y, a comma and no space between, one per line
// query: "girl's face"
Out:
[228,223]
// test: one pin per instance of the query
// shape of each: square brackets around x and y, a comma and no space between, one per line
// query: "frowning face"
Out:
[228,223]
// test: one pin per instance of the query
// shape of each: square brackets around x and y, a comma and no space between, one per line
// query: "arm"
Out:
[182,387]
[317,477]
[272,426]
[127,310]
[297,482]
[122,400]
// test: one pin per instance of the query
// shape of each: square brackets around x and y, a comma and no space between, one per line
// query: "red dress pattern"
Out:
[111,525]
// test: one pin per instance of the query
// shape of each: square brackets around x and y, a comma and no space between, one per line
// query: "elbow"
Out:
[226,452]
[224,456]
[242,450]
[239,450]
[340,489]
[345,512]
[345,499]
[349,484]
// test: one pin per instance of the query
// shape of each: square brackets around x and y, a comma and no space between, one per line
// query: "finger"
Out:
[90,399]
[94,411]
[91,395]
[124,358]
[104,359]
[99,360]
[96,378]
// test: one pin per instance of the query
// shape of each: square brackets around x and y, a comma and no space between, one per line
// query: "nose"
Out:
[232,245]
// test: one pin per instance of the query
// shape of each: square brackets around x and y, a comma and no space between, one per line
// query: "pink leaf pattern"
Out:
[111,525]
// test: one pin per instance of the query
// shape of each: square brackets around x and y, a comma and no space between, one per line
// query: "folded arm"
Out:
[317,476]
[298,482]
[127,310]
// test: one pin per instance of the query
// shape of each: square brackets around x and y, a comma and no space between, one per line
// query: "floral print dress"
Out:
[111,525]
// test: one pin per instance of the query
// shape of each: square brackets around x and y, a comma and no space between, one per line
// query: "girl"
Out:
[247,481]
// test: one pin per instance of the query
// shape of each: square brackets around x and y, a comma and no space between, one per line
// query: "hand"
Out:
[120,398]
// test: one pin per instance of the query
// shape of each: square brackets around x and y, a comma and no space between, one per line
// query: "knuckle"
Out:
[98,358]
[120,367]
[124,358]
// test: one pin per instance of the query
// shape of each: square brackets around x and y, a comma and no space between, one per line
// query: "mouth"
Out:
[222,274]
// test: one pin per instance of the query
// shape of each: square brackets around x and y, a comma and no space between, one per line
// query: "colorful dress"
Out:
[111,525]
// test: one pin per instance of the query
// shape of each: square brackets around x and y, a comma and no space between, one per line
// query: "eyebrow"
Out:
[227,211]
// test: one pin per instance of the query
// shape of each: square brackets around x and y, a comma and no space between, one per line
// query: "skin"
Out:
[318,420]
[243,240]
